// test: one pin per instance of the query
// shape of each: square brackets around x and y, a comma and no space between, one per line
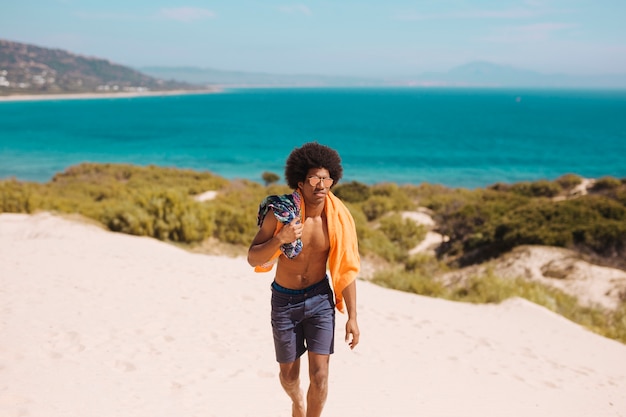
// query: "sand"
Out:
[94,323]
[121,94]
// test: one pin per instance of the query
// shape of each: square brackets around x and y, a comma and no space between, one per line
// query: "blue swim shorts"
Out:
[303,320]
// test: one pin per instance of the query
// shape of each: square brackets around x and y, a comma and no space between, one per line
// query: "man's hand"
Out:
[290,232]
[352,333]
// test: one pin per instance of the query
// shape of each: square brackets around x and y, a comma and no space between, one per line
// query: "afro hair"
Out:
[312,155]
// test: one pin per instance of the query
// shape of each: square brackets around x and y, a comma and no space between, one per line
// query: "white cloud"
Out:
[186,14]
[296,9]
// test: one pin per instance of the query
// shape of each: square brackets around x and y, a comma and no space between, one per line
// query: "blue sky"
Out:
[342,37]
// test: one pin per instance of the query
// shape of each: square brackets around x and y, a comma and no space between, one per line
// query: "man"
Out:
[304,232]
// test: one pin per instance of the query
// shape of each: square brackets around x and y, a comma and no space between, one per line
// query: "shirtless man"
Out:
[303,308]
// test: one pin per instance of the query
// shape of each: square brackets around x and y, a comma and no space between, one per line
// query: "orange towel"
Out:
[343,259]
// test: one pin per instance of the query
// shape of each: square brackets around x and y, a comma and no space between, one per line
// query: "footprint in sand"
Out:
[125,366]
[550,384]
[59,344]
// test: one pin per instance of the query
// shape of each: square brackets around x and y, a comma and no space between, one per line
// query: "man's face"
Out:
[316,185]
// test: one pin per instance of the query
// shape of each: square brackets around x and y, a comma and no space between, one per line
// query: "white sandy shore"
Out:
[78,96]
[98,324]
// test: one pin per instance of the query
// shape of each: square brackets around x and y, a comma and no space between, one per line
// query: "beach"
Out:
[91,96]
[101,324]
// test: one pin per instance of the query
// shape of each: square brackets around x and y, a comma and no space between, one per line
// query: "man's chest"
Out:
[315,234]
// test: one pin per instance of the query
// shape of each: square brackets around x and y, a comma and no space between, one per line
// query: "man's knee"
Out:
[318,370]
[319,377]
[289,373]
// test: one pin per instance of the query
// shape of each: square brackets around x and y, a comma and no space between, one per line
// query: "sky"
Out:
[370,38]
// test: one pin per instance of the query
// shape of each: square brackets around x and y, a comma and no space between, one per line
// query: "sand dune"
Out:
[593,285]
[100,324]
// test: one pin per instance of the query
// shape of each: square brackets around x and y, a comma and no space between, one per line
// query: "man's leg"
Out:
[318,390]
[290,380]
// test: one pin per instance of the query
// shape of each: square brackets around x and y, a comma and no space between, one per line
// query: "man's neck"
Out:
[314,210]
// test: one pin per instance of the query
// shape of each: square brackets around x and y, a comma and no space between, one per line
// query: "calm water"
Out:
[457,137]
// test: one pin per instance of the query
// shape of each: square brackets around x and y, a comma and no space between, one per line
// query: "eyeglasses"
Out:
[314,181]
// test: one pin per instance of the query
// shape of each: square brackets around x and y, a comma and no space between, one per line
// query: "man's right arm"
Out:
[265,244]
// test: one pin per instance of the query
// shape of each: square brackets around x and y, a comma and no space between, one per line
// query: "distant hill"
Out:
[474,74]
[487,74]
[30,69]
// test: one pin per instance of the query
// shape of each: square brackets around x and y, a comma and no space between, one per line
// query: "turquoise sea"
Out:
[456,137]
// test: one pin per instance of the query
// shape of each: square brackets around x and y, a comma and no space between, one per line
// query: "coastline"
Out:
[91,96]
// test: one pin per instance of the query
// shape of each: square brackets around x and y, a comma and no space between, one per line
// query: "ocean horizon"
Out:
[455,137]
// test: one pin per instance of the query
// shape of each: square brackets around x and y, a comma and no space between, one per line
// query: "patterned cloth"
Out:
[286,208]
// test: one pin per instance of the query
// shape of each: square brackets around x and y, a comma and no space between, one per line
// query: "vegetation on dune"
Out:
[489,288]
[480,224]
[144,201]
[485,223]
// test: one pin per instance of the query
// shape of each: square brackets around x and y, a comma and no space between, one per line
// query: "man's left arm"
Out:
[352,327]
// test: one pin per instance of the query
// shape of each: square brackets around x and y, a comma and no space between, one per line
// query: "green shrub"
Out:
[410,281]
[425,264]
[569,181]
[399,199]
[444,203]
[607,239]
[132,177]
[19,197]
[485,289]
[540,188]
[607,208]
[373,241]
[128,218]
[376,206]
[236,208]
[352,192]
[545,188]
[615,326]
[433,196]
[403,232]
[234,225]
[620,196]
[165,215]
[269,177]
[606,183]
